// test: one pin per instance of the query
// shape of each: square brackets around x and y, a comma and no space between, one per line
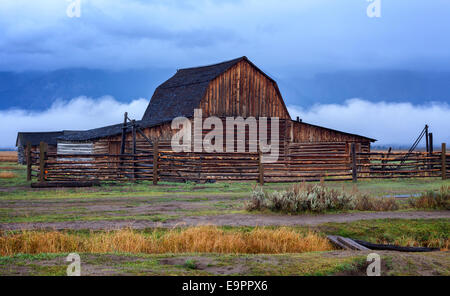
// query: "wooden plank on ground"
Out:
[351,244]
[334,240]
[60,184]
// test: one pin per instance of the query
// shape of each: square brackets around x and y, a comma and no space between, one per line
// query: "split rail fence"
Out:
[298,162]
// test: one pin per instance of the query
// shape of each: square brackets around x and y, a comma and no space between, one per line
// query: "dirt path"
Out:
[231,220]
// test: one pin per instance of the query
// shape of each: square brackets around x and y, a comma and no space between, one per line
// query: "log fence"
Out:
[298,162]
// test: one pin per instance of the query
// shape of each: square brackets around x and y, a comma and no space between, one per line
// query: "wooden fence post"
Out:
[260,169]
[42,158]
[155,162]
[133,122]
[124,130]
[430,136]
[354,167]
[29,161]
[444,161]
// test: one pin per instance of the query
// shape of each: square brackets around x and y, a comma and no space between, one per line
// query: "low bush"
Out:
[316,198]
[432,199]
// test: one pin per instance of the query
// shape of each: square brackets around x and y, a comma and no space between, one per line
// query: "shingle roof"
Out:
[34,138]
[182,93]
[109,131]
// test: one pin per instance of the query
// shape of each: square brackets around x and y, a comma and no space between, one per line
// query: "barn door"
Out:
[114,148]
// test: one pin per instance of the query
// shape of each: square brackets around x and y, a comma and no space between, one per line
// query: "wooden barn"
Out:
[228,89]
[141,149]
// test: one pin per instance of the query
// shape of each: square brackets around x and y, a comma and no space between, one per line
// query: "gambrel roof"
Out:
[183,92]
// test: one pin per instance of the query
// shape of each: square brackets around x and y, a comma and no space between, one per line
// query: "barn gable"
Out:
[244,90]
[183,92]
[232,88]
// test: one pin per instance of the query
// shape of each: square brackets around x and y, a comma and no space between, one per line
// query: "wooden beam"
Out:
[42,158]
[444,161]
[133,125]
[143,135]
[430,135]
[29,161]
[260,169]
[124,129]
[354,167]
[62,184]
[352,244]
[155,162]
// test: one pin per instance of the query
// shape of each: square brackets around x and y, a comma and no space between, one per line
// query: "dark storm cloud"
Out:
[319,34]
[288,39]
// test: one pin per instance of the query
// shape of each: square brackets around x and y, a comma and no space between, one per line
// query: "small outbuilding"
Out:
[35,138]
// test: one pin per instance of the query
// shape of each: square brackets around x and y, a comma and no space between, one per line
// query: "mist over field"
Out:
[395,124]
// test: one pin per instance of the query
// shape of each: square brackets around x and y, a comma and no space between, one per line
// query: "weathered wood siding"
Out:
[243,91]
[306,133]
[79,148]
[164,133]
[75,148]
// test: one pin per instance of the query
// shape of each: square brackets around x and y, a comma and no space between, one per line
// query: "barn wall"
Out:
[243,91]
[289,131]
[305,133]
[21,155]
[164,133]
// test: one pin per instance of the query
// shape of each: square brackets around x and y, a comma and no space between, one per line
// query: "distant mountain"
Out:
[376,85]
[38,90]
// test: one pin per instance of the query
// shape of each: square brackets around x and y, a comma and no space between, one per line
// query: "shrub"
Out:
[432,200]
[316,198]
[366,203]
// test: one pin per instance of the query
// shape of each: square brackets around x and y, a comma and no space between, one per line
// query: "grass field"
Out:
[162,236]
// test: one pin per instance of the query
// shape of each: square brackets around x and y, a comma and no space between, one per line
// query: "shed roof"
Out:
[109,131]
[35,138]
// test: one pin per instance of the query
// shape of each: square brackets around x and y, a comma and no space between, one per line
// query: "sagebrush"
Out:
[316,198]
[432,199]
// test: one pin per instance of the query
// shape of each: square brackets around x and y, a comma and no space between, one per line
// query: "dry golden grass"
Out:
[203,239]
[8,156]
[7,175]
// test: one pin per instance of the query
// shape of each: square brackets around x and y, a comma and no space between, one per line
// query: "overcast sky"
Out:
[282,37]
[308,34]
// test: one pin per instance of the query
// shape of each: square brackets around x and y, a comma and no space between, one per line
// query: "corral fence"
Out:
[297,162]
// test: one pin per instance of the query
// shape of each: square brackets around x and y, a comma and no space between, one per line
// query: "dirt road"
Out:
[230,220]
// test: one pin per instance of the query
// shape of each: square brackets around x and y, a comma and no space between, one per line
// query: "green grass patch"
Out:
[405,232]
